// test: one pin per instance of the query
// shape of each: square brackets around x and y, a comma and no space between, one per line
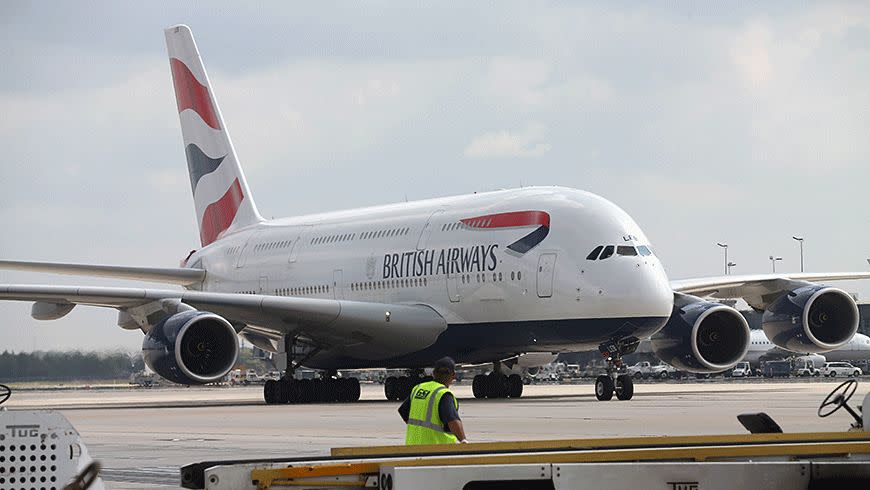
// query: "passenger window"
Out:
[606,253]
[593,255]
[626,250]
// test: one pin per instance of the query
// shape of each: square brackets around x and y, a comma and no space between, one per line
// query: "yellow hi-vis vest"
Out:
[424,424]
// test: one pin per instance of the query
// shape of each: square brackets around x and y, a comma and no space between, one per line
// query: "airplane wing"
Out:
[371,329]
[179,276]
[758,289]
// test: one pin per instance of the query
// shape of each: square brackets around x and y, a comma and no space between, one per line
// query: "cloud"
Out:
[525,143]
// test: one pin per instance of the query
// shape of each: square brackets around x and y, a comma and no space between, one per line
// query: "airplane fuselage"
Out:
[508,270]
[857,349]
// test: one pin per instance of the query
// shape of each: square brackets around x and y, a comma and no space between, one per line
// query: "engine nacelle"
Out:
[191,348]
[702,336]
[811,319]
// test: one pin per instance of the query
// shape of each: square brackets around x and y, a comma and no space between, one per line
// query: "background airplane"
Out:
[760,348]
[486,277]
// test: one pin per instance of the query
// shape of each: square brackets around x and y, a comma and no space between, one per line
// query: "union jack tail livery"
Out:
[220,192]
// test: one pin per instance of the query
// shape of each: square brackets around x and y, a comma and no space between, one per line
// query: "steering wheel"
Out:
[5,393]
[838,397]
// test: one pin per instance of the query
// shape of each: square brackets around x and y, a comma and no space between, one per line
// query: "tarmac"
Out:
[142,436]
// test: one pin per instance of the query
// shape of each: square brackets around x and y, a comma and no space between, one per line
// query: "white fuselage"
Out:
[453,255]
[857,349]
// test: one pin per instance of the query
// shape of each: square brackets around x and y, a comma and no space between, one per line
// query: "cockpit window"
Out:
[644,250]
[608,251]
[594,253]
[627,250]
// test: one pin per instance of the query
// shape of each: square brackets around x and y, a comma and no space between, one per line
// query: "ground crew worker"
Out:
[425,423]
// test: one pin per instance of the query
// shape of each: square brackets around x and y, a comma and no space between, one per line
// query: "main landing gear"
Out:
[399,387]
[497,385]
[613,382]
[328,388]
[325,389]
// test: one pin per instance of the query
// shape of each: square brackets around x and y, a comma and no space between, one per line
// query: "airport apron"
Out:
[424,423]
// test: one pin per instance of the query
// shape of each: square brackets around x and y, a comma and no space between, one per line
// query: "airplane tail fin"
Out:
[220,192]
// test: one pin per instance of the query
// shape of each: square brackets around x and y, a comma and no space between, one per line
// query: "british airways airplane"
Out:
[497,277]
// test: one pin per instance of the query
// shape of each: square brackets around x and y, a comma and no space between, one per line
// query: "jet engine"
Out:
[192,347]
[812,318]
[702,336]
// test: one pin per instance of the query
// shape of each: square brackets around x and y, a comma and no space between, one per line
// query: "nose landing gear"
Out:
[614,382]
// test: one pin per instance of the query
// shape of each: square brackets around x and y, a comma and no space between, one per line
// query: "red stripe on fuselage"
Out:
[190,94]
[509,220]
[219,215]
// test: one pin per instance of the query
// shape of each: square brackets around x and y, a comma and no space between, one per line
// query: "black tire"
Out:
[638,375]
[354,390]
[269,392]
[406,384]
[291,391]
[478,388]
[603,388]
[342,390]
[664,375]
[496,386]
[390,388]
[624,387]
[317,390]
[515,386]
[306,391]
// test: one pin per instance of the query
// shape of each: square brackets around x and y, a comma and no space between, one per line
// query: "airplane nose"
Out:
[648,293]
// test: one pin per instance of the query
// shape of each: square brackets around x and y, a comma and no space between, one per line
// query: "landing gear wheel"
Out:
[478,386]
[269,392]
[604,388]
[515,386]
[497,386]
[354,390]
[290,391]
[624,387]
[390,388]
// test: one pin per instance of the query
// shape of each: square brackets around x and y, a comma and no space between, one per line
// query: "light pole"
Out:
[725,247]
[773,262]
[730,265]
[800,240]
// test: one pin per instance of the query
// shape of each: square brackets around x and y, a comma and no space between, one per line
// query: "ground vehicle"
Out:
[742,370]
[772,369]
[804,368]
[237,377]
[834,369]
[144,378]
[572,370]
[645,370]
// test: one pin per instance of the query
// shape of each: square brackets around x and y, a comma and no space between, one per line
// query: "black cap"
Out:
[444,365]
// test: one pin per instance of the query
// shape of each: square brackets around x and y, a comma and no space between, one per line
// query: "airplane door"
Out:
[297,244]
[453,288]
[426,234]
[338,284]
[546,266]
[247,250]
[264,284]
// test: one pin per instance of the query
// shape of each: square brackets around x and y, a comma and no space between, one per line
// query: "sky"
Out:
[745,124]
